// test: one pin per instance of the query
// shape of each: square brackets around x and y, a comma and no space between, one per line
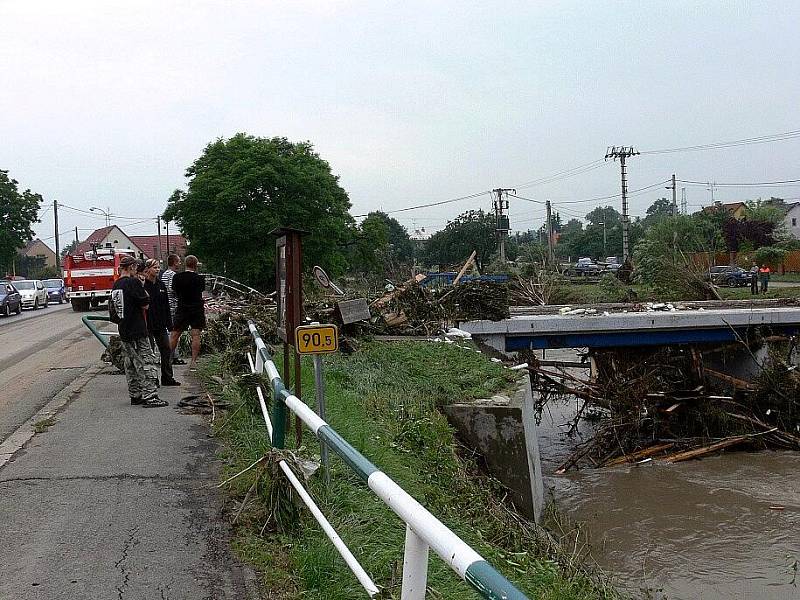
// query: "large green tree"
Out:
[242,188]
[17,215]
[473,230]
[658,210]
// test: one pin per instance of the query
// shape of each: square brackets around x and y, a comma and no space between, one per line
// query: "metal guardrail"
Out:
[423,530]
[100,335]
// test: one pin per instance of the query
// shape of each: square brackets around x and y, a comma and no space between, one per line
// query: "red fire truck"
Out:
[89,277]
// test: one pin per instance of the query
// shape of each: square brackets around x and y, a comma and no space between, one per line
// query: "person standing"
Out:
[754,279]
[159,320]
[128,308]
[763,275]
[173,262]
[188,288]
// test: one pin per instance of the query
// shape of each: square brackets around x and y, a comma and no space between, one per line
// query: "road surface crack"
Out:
[120,564]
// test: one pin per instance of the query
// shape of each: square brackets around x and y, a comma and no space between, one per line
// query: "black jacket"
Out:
[158,315]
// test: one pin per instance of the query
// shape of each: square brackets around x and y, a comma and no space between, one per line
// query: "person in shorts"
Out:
[188,288]
[173,263]
[128,304]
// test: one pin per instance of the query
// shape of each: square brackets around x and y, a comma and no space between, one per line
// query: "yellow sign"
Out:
[316,339]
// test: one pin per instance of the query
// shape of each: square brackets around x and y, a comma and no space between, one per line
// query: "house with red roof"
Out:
[145,245]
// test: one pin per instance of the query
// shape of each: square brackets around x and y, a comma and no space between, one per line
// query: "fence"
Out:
[423,530]
[790,263]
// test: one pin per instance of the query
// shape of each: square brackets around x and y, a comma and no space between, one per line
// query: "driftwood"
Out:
[640,454]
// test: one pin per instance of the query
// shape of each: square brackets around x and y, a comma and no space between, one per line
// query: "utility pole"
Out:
[683,201]
[501,219]
[166,224]
[711,186]
[605,238]
[549,234]
[160,251]
[622,153]
[674,207]
[55,226]
[77,241]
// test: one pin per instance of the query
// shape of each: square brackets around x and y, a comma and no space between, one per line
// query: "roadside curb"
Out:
[27,430]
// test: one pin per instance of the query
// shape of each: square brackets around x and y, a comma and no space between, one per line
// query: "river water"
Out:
[724,527]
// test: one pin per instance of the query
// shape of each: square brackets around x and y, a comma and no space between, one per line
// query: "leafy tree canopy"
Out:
[607,214]
[769,211]
[400,247]
[242,188]
[573,226]
[473,230]
[660,209]
[17,213]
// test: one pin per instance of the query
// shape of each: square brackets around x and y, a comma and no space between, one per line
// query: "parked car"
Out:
[56,292]
[10,299]
[584,268]
[730,276]
[33,292]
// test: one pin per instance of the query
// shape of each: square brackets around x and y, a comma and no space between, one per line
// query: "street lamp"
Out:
[107,213]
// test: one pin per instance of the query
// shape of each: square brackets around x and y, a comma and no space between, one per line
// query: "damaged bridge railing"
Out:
[423,530]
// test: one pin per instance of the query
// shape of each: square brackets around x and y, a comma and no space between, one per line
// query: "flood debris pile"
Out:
[414,309]
[665,403]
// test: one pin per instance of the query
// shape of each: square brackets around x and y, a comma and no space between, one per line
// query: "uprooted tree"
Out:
[664,257]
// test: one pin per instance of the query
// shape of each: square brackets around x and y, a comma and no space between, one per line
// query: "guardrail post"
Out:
[415,567]
[278,416]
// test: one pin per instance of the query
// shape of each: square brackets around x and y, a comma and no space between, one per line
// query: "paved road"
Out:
[112,500]
[41,352]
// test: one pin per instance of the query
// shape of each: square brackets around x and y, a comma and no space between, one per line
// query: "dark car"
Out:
[10,300]
[730,276]
[56,292]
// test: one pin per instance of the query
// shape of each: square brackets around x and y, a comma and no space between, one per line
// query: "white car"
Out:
[33,292]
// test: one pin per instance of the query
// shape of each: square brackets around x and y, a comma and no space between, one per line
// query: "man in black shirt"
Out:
[188,287]
[129,302]
[159,320]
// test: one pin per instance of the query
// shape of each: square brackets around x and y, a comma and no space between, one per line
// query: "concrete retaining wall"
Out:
[503,430]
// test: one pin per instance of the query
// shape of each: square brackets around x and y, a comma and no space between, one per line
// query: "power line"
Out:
[598,198]
[746,184]
[93,214]
[595,164]
[399,210]
[762,139]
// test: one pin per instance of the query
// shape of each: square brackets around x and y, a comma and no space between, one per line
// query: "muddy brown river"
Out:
[725,527]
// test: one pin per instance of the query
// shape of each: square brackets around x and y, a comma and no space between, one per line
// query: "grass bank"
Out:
[383,400]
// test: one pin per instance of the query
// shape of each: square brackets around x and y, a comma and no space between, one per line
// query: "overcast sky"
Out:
[106,103]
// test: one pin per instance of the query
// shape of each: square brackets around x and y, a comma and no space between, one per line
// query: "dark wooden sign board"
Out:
[354,310]
[289,287]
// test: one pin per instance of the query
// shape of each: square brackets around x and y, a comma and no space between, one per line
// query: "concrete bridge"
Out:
[539,328]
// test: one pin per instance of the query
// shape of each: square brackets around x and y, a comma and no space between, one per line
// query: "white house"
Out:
[792,220]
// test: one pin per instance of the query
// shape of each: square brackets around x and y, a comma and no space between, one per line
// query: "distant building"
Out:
[792,219]
[38,249]
[420,235]
[735,209]
[146,245]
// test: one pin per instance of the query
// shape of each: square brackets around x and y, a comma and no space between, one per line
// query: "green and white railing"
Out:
[423,530]
[103,336]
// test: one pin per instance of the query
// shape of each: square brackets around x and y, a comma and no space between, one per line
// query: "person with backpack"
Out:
[128,309]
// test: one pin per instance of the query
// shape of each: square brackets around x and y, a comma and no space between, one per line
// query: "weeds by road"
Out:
[383,399]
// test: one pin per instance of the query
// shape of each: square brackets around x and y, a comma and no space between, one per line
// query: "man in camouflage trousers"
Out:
[128,304]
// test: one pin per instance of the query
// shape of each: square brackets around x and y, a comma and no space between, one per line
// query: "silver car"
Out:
[33,292]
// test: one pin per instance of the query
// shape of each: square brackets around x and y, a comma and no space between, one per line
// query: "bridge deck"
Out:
[643,328]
